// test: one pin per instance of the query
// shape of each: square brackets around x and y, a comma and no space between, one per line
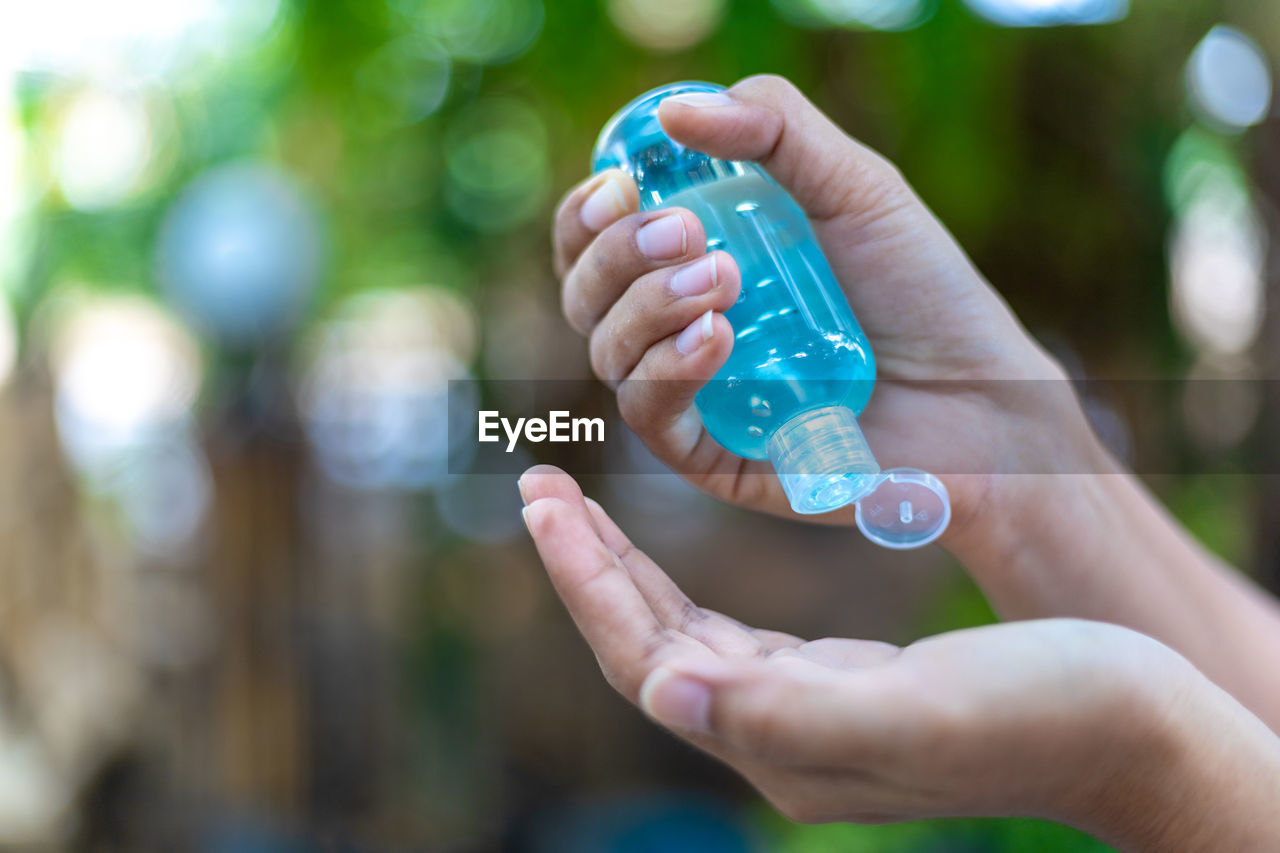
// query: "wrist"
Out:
[1197,771]
[1047,496]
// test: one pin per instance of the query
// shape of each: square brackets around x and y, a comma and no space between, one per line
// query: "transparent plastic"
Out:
[908,508]
[801,369]
[823,459]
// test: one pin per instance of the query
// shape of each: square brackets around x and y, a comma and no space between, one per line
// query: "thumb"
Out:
[787,710]
[768,120]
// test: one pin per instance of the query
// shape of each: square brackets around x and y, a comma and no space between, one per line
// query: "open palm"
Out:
[1008,719]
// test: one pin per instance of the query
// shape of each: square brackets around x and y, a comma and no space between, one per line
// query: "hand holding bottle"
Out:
[642,286]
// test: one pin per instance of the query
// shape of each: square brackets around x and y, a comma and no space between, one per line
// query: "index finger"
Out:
[588,209]
[598,591]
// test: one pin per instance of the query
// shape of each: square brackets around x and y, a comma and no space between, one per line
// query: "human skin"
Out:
[1079,537]
[1086,723]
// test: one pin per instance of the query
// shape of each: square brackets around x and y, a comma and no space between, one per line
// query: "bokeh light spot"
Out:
[239,253]
[1216,260]
[892,15]
[1221,402]
[1050,13]
[8,341]
[497,162]
[406,80]
[35,795]
[16,193]
[666,24]
[375,384]
[103,147]
[123,371]
[126,375]
[1201,163]
[487,32]
[165,492]
[1229,80]
[140,40]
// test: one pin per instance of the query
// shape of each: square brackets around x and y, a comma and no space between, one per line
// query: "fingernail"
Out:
[524,514]
[695,279]
[663,238]
[676,701]
[703,99]
[604,206]
[698,333]
[520,486]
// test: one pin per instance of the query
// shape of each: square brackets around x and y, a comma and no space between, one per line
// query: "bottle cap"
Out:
[909,508]
[823,460]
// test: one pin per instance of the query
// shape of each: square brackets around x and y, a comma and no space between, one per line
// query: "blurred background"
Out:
[245,245]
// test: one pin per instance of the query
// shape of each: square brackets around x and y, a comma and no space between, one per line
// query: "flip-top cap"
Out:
[909,508]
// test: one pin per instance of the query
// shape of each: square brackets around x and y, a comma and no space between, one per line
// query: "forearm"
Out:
[1098,546]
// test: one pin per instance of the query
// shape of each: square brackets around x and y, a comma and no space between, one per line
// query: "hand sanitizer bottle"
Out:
[801,369]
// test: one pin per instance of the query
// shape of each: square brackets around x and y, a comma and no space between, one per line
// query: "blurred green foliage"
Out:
[1015,835]
[1041,149]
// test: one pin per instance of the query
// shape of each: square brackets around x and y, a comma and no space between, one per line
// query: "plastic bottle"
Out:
[801,369]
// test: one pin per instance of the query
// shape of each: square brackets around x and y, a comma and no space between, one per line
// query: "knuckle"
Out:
[874,191]
[602,263]
[573,306]
[691,614]
[889,170]
[602,351]
[622,234]
[614,251]
[631,406]
[769,85]
[651,650]
[564,230]
[565,210]
[883,174]
[640,404]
